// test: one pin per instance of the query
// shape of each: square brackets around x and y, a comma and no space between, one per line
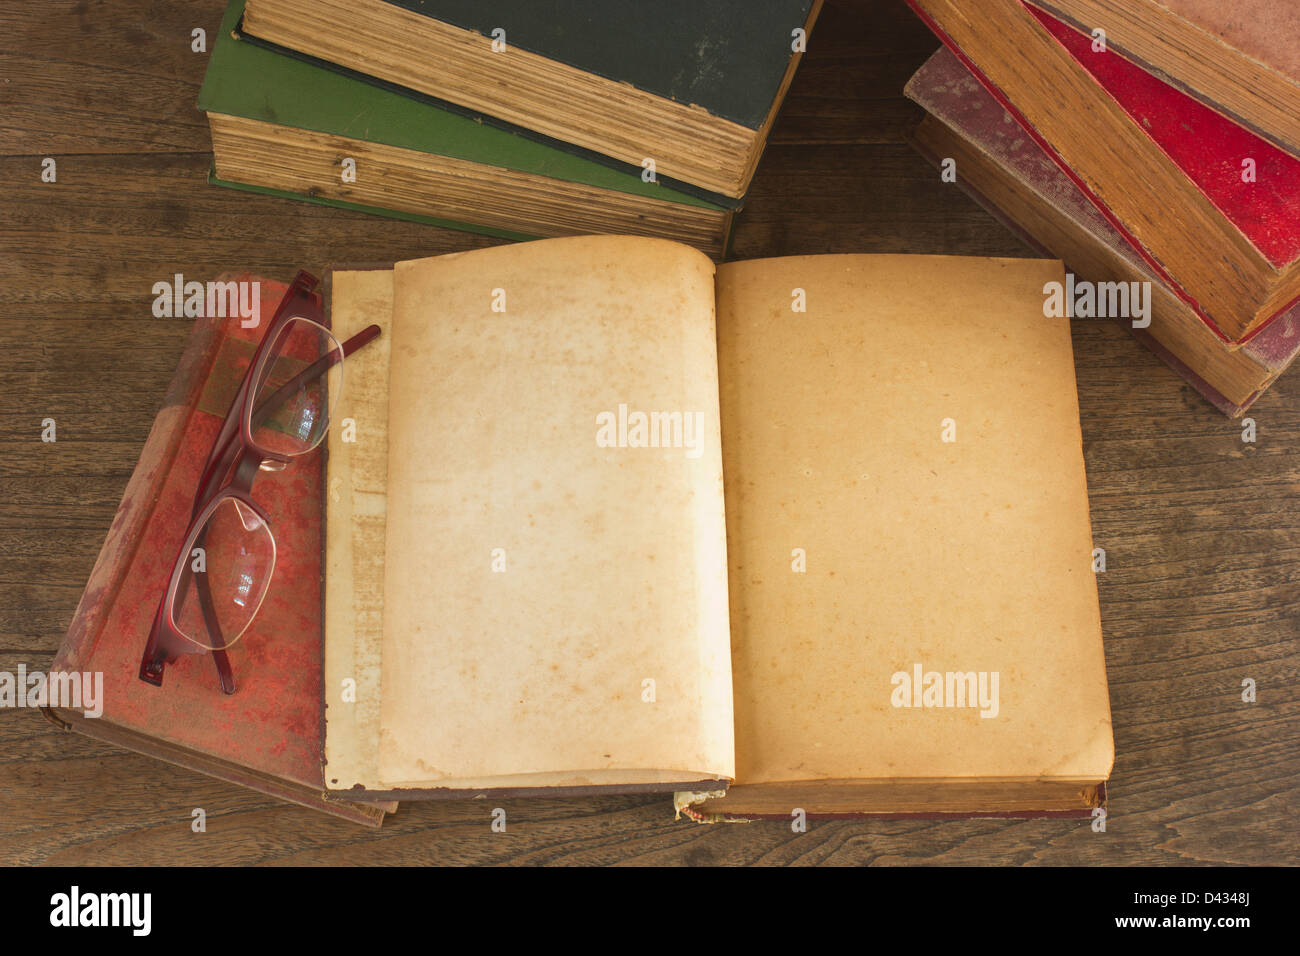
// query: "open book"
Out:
[536,584]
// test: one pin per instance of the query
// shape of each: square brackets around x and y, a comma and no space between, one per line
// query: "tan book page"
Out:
[356,480]
[970,557]
[555,609]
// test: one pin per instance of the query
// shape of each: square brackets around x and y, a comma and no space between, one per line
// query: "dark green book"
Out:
[692,87]
[285,126]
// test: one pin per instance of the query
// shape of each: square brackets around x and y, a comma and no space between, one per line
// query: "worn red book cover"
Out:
[1240,57]
[267,735]
[950,92]
[1206,146]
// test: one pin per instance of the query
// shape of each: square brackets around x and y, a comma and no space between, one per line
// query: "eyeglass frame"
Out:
[228,474]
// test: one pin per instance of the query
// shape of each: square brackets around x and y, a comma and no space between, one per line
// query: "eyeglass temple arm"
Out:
[222,463]
[224,672]
[155,657]
[219,459]
[315,369]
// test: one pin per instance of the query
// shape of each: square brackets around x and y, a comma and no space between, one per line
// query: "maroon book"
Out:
[951,94]
[267,735]
[1239,57]
[1254,214]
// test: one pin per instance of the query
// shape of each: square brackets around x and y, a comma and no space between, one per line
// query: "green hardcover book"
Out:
[284,126]
[692,86]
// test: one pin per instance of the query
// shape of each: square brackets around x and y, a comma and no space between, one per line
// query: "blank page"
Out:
[863,545]
[555,607]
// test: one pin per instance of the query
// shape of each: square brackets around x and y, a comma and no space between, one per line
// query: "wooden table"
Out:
[1201,530]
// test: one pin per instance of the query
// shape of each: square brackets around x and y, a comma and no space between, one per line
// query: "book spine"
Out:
[141,496]
[920,8]
[370,814]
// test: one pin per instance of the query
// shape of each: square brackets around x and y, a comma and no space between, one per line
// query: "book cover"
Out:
[1239,58]
[1068,225]
[693,86]
[657,48]
[267,735]
[1139,148]
[252,82]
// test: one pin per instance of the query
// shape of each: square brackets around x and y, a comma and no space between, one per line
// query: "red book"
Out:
[1019,183]
[268,734]
[1212,208]
[1239,57]
[1207,146]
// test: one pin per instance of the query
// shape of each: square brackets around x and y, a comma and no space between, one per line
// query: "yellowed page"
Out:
[356,480]
[555,610]
[967,556]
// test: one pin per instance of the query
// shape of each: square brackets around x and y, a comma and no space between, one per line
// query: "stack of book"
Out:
[786,538]
[516,119]
[1152,145]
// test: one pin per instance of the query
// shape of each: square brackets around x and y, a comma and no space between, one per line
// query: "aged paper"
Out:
[555,608]
[356,486]
[905,498]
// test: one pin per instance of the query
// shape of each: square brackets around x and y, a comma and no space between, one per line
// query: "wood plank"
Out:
[1202,531]
[846,91]
[103,77]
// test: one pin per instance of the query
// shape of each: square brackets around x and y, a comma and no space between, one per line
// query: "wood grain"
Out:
[1202,531]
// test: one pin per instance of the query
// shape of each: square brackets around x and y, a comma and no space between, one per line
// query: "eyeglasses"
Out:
[280,412]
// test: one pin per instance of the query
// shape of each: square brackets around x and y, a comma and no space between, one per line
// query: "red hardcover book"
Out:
[1019,183]
[267,735]
[1207,146]
[1239,57]
[1160,165]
